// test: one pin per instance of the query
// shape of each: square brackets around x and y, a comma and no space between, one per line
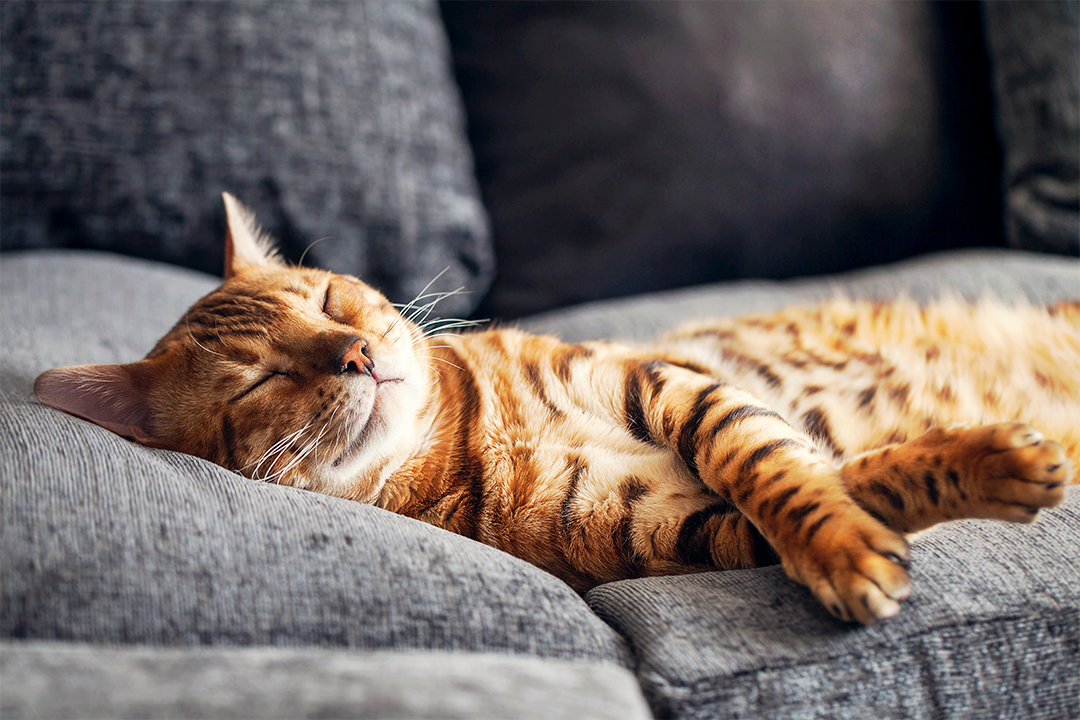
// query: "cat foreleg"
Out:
[750,456]
[1007,471]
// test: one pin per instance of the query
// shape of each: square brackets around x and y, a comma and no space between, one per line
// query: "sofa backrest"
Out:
[628,147]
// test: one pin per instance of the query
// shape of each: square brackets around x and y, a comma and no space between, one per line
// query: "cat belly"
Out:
[591,514]
[856,376]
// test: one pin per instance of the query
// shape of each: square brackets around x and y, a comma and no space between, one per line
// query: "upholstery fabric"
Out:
[109,542]
[1035,57]
[123,122]
[630,147]
[992,629]
[53,680]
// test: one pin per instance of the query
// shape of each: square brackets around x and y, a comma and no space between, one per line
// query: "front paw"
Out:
[854,565]
[1015,472]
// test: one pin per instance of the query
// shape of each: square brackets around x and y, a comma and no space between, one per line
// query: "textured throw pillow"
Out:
[629,147]
[1035,56]
[336,122]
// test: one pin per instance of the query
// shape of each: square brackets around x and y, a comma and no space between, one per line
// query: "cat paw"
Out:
[1016,471]
[855,566]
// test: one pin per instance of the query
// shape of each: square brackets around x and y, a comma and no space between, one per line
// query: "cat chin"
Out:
[375,423]
[387,440]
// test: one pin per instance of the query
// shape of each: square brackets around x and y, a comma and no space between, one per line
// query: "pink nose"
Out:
[356,360]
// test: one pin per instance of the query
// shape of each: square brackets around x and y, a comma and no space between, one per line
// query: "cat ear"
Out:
[246,244]
[112,396]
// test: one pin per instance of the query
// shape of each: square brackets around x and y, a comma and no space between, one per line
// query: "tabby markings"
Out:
[536,382]
[891,496]
[577,467]
[568,356]
[694,544]
[687,443]
[813,529]
[759,368]
[760,454]
[931,488]
[228,436]
[817,426]
[899,394]
[631,490]
[633,400]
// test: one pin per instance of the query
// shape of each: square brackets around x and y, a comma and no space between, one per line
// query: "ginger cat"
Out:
[815,437]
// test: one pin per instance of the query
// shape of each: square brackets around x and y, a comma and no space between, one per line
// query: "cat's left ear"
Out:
[246,244]
[116,397]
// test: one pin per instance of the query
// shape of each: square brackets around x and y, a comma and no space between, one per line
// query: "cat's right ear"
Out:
[246,244]
[116,397]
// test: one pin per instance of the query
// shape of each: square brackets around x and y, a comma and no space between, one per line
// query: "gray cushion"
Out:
[992,629]
[122,123]
[48,680]
[1035,56]
[107,541]
[631,147]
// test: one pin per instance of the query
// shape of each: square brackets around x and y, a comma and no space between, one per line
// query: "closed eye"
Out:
[258,383]
[326,301]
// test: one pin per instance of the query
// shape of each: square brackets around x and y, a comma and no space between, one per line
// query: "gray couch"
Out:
[150,584]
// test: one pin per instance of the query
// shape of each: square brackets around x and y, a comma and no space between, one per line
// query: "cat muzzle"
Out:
[355,359]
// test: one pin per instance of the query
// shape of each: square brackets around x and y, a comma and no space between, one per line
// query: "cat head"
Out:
[288,374]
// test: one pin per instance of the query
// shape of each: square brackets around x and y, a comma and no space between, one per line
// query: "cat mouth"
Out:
[370,422]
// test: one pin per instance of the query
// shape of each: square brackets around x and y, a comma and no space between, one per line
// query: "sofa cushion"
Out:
[105,541]
[992,629]
[122,124]
[632,147]
[1035,57]
[52,680]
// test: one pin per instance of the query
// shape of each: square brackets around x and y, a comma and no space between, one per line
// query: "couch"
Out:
[561,161]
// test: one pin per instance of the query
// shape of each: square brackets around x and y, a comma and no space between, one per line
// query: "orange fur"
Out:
[814,436]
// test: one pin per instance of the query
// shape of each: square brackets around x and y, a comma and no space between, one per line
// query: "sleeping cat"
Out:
[815,437]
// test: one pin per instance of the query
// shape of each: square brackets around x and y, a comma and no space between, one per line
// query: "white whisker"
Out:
[303,255]
[187,323]
[443,360]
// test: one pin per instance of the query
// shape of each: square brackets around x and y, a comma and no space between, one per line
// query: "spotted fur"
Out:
[814,437]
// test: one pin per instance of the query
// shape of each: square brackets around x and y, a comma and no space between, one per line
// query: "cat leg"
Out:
[751,457]
[1006,472]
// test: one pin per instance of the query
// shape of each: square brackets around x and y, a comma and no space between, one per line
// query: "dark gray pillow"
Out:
[1035,56]
[630,147]
[123,122]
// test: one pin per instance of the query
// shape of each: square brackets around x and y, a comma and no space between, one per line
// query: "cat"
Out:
[816,437]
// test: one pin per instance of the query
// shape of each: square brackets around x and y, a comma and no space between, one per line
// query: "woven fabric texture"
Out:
[107,542]
[110,542]
[51,680]
[991,626]
[337,122]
